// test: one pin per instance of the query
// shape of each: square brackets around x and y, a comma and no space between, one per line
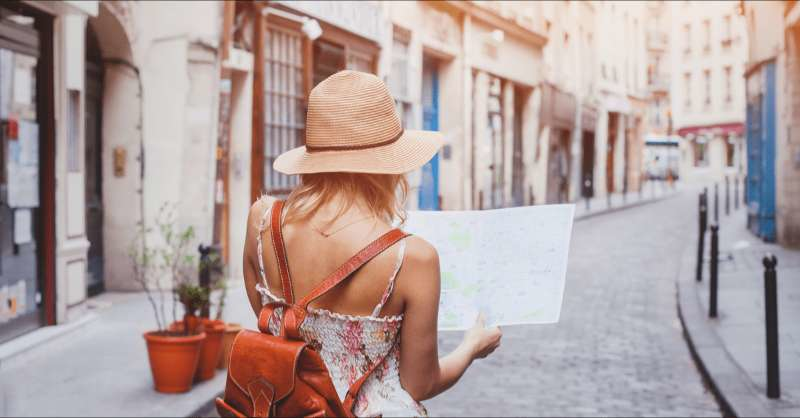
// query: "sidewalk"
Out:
[731,349]
[651,192]
[101,368]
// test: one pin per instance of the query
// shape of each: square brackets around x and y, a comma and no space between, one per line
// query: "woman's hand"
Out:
[480,340]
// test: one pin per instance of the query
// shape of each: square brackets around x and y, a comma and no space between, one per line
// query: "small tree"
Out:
[171,258]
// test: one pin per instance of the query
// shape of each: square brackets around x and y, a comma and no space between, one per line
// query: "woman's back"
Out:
[312,256]
[347,328]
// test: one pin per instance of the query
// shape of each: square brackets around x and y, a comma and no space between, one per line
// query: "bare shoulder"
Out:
[258,210]
[421,253]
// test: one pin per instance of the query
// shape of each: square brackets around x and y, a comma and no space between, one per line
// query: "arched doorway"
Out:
[113,147]
[94,165]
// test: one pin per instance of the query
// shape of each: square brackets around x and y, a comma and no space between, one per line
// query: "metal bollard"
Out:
[727,196]
[701,237]
[771,323]
[713,284]
[736,193]
[716,203]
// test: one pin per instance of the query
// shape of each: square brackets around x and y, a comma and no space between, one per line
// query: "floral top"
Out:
[349,345]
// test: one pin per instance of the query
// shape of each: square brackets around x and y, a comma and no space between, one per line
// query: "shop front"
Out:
[27,226]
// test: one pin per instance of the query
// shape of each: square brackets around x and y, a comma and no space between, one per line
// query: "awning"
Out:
[736,128]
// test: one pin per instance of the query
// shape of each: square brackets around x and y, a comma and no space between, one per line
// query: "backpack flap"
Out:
[263,369]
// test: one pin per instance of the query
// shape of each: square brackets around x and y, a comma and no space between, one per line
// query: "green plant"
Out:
[170,258]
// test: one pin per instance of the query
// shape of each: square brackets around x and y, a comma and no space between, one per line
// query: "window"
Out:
[495,130]
[707,87]
[727,33]
[284,102]
[706,36]
[687,38]
[728,85]
[687,90]
[398,78]
[700,150]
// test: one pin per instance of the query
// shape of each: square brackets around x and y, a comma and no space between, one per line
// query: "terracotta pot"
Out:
[211,349]
[194,323]
[173,360]
[231,331]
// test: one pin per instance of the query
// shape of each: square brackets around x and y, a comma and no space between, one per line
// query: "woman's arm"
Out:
[250,256]
[422,373]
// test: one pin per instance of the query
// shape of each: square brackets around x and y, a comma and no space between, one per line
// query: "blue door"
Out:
[761,130]
[429,183]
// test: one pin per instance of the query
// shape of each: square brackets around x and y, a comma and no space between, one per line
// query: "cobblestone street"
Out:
[618,349]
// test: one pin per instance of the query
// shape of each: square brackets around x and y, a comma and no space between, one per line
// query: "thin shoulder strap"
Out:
[354,263]
[390,287]
[280,251]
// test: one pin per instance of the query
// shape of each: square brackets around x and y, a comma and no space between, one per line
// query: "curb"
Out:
[735,393]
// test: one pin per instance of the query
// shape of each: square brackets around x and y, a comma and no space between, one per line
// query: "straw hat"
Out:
[352,126]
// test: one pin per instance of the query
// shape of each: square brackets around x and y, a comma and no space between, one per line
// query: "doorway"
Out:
[558,166]
[517,162]
[93,160]
[587,165]
[612,140]
[429,182]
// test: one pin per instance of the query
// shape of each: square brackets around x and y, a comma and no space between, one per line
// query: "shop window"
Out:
[284,101]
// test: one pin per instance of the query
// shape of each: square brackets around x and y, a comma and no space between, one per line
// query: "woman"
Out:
[352,188]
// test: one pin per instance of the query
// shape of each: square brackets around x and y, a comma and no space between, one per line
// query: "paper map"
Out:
[510,264]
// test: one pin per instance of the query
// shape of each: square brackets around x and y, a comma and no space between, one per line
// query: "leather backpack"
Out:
[282,375]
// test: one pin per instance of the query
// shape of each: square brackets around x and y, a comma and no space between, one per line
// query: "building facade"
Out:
[133,88]
[772,81]
[708,51]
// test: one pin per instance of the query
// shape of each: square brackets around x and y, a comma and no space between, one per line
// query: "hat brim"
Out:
[410,152]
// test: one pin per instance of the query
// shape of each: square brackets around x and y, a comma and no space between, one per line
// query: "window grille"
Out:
[284,100]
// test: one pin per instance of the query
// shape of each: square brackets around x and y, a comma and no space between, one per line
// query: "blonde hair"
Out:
[383,194]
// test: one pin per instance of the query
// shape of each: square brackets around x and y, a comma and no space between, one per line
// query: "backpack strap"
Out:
[355,262]
[295,314]
[280,251]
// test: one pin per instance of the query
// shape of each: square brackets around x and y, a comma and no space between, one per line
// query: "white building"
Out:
[708,50]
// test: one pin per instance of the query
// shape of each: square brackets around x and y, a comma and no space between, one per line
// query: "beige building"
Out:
[621,96]
[708,50]
[773,97]
[470,70]
[123,111]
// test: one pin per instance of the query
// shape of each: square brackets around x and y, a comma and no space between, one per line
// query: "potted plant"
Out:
[174,352]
